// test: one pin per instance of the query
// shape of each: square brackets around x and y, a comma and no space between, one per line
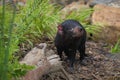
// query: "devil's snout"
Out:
[77,32]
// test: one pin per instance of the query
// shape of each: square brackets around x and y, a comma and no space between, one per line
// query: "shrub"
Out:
[32,21]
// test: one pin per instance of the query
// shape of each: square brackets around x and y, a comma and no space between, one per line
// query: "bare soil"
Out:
[100,64]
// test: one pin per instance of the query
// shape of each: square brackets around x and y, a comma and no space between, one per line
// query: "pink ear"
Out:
[60,31]
[59,28]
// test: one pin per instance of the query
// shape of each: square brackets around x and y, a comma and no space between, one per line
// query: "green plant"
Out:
[6,22]
[16,70]
[116,48]
[34,20]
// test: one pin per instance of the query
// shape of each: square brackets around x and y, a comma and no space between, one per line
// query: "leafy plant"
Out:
[32,21]
[36,19]
[116,48]
[5,40]
[17,70]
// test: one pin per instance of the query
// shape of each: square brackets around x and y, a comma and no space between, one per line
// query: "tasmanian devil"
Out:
[70,37]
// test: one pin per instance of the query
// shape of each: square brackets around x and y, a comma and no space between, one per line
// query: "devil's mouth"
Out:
[77,35]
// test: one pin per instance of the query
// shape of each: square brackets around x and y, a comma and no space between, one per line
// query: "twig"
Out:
[65,73]
[98,78]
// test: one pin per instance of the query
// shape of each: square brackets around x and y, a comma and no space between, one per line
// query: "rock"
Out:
[114,3]
[91,3]
[100,1]
[63,2]
[35,55]
[106,15]
[75,6]
[110,18]
[115,56]
[50,52]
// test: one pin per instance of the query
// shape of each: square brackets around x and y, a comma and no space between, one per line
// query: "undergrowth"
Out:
[32,21]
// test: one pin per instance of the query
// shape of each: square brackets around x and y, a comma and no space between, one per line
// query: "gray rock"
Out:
[114,56]
[114,3]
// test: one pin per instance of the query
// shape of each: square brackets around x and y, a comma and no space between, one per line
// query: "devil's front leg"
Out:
[81,50]
[59,51]
[71,56]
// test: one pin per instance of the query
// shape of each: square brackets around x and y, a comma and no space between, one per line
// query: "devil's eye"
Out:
[81,29]
[72,29]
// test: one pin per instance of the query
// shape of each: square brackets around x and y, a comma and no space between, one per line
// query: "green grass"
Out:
[5,39]
[37,18]
[116,48]
[34,20]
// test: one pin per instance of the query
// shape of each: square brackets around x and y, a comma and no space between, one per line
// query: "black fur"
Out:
[68,44]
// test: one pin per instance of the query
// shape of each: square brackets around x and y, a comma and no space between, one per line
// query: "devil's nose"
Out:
[80,29]
[77,29]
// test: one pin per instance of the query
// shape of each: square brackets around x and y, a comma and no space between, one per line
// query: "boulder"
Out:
[114,3]
[74,6]
[109,17]
[106,15]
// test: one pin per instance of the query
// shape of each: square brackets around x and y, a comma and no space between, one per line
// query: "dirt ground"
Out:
[100,65]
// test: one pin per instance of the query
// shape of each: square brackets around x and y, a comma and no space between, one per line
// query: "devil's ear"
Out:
[60,30]
[60,27]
